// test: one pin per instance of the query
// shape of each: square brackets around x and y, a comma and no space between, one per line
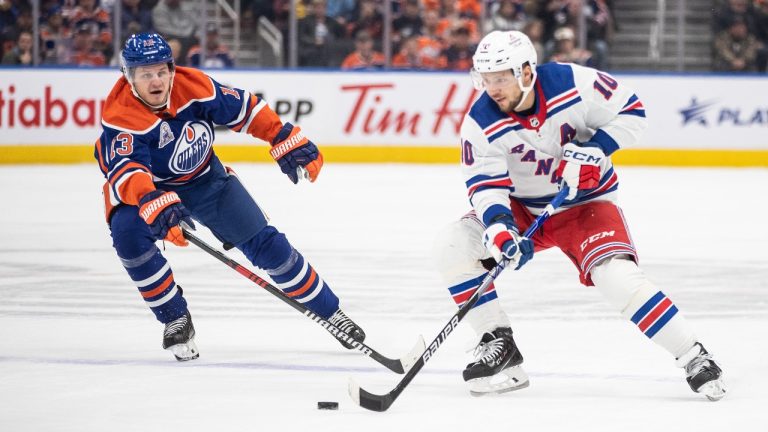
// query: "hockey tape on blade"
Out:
[328,405]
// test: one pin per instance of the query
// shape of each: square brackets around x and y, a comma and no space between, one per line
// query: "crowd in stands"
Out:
[80,32]
[425,34]
[439,34]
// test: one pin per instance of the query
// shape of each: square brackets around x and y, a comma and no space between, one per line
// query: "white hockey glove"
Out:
[503,240]
[580,167]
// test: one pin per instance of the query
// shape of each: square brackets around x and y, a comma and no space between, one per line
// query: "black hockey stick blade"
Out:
[370,401]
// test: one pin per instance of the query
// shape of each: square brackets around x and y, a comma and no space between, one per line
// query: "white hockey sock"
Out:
[627,288]
[487,317]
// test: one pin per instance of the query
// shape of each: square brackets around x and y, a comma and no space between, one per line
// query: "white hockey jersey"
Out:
[507,155]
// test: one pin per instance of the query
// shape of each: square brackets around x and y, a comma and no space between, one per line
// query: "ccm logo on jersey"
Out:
[192,148]
[596,237]
[581,156]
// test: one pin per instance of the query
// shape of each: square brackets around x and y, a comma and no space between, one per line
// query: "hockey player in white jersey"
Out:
[534,129]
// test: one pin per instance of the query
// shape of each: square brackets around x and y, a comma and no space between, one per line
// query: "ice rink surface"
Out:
[79,350]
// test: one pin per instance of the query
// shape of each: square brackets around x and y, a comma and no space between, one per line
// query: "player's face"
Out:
[153,83]
[503,88]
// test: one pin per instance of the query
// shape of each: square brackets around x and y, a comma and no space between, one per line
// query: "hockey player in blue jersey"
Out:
[531,131]
[156,152]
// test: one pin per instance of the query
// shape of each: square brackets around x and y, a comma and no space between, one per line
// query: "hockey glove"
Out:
[163,212]
[295,154]
[580,168]
[503,240]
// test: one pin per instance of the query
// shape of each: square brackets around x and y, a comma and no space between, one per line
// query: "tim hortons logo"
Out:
[373,112]
[337,333]
[440,339]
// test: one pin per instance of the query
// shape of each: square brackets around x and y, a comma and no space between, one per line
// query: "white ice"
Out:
[79,351]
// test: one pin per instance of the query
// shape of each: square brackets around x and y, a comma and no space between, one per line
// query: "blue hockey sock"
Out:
[154,278]
[270,250]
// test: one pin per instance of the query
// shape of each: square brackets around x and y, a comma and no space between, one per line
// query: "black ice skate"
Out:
[179,338]
[497,366]
[702,373]
[343,323]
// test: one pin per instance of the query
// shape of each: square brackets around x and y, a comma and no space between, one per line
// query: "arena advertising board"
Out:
[62,107]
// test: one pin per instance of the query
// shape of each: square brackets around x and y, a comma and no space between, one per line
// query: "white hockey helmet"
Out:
[504,50]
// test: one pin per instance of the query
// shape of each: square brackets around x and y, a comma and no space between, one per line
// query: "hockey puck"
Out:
[328,405]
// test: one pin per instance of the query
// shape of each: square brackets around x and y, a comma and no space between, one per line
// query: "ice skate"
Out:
[343,323]
[497,368]
[179,338]
[702,373]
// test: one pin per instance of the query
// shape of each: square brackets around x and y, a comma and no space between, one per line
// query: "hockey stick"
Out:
[381,403]
[395,365]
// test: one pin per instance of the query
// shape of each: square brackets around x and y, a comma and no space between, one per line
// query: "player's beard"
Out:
[511,104]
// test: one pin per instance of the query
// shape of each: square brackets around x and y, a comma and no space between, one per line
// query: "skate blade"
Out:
[508,380]
[713,390]
[185,352]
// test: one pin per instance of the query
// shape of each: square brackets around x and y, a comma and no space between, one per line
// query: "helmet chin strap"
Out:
[525,89]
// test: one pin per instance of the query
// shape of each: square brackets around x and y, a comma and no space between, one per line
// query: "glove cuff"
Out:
[153,203]
[288,139]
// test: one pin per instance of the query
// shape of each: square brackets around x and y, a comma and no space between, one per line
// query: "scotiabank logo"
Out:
[47,110]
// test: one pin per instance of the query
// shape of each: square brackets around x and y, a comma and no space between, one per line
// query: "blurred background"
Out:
[386,80]
[626,35]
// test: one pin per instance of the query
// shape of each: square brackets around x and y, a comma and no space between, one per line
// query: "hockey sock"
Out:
[486,315]
[271,251]
[153,276]
[626,287]
[146,266]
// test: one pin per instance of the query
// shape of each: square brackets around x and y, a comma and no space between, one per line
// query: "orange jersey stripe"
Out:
[265,125]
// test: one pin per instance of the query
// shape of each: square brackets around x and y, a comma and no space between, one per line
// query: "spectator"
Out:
[412,57]
[566,50]
[453,18]
[508,15]
[55,37]
[534,29]
[458,55]
[321,38]
[176,20]
[216,54]
[730,9]
[341,10]
[736,49]
[364,57]
[760,8]
[408,24]
[21,54]
[133,13]
[368,18]
[89,14]
[431,45]
[84,51]
[176,50]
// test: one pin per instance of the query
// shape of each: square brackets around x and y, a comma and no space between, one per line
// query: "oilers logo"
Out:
[192,148]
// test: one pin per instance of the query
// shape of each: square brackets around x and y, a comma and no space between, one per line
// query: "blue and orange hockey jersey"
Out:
[140,149]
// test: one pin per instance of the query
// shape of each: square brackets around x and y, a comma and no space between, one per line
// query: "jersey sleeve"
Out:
[613,110]
[244,112]
[125,162]
[485,171]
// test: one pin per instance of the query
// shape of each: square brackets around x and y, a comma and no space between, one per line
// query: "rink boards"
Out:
[52,115]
